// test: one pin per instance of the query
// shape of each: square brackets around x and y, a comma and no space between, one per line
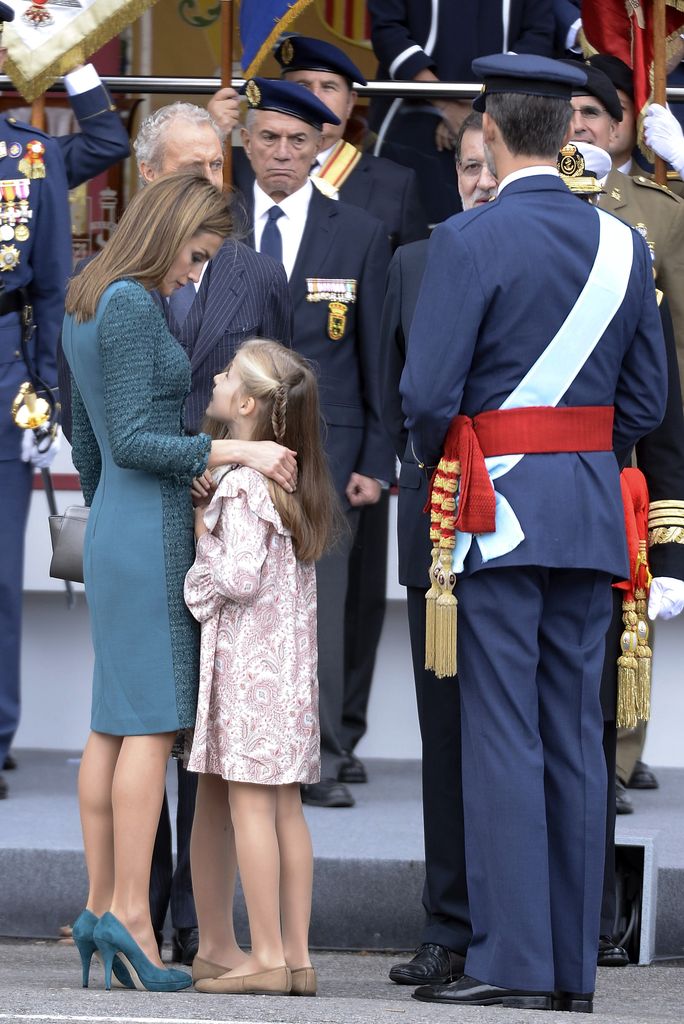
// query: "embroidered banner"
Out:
[50,37]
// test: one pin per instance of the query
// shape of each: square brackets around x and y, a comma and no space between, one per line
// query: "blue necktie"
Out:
[271,239]
[181,300]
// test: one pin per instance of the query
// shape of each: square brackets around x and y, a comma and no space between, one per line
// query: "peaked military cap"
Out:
[6,13]
[302,53]
[526,74]
[288,98]
[619,73]
[599,85]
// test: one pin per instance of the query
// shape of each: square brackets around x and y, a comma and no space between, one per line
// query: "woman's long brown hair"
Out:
[286,391]
[160,218]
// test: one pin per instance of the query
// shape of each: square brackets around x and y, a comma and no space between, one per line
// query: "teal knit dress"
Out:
[136,465]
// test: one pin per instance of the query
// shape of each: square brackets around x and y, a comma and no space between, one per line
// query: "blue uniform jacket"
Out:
[565,14]
[499,283]
[400,30]
[102,141]
[42,263]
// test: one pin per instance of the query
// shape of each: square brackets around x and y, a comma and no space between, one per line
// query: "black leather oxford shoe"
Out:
[185,945]
[642,777]
[432,964]
[610,954]
[352,769]
[10,764]
[469,992]
[623,805]
[327,793]
[574,1002]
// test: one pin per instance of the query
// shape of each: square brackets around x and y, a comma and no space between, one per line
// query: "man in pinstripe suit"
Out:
[241,295]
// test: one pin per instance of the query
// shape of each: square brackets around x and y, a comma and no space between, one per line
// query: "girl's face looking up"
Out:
[230,404]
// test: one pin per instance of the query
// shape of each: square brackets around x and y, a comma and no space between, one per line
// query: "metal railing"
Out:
[154,85]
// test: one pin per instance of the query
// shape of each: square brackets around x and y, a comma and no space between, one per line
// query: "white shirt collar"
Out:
[293,206]
[526,172]
[321,157]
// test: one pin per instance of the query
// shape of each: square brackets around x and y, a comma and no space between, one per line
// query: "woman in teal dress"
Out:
[130,379]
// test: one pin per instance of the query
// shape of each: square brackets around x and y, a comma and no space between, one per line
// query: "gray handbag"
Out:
[67,533]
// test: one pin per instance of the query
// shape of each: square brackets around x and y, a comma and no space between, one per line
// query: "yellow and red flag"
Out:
[348,19]
[624,28]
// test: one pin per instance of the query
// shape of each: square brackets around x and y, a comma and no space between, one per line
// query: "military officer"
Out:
[534,594]
[336,258]
[652,209]
[35,260]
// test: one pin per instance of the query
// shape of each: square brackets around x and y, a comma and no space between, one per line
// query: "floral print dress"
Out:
[257,712]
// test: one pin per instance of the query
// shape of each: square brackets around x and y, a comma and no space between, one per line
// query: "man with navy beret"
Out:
[527,402]
[35,261]
[335,256]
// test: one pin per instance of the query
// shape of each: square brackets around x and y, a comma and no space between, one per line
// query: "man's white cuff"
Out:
[82,80]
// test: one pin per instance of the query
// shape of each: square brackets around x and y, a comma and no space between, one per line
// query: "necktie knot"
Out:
[275,213]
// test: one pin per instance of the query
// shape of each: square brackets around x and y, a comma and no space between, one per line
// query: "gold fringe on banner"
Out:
[79,39]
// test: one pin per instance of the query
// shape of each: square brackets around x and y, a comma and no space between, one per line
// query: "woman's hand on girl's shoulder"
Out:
[274,461]
[202,490]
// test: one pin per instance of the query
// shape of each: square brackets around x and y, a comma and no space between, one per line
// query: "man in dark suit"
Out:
[430,42]
[534,558]
[440,955]
[241,295]
[336,258]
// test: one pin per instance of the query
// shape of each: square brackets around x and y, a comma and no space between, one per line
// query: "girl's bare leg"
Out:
[296,875]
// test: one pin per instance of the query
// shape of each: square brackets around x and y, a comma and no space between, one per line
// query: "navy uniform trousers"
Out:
[535,693]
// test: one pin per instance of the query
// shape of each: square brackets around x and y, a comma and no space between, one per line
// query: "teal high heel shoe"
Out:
[82,934]
[113,940]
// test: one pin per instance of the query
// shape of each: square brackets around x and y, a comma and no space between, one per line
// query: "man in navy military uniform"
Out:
[35,262]
[430,42]
[544,395]
[336,258]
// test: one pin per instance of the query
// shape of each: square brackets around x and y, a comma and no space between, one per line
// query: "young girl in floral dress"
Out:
[253,589]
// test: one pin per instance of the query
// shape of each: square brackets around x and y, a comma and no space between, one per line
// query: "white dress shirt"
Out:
[291,226]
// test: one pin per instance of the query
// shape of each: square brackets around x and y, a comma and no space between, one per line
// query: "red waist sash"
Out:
[535,430]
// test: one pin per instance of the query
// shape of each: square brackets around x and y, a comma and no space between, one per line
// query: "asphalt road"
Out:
[40,981]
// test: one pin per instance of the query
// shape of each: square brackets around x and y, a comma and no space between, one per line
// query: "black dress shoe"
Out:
[610,954]
[642,777]
[185,945]
[327,793]
[3,788]
[352,769]
[432,964]
[10,764]
[623,805]
[574,1002]
[469,992]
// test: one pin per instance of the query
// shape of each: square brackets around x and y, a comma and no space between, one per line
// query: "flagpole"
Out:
[227,77]
[38,113]
[659,74]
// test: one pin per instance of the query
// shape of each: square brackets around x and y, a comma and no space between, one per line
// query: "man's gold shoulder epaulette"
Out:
[640,179]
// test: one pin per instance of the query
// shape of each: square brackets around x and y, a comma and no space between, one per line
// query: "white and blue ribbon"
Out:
[546,382]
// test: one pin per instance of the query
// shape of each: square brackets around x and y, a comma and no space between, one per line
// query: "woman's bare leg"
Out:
[214,869]
[137,794]
[95,804]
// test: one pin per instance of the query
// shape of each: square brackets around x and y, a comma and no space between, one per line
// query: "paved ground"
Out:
[39,981]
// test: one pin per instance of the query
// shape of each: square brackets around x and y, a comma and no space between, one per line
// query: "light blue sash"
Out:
[556,369]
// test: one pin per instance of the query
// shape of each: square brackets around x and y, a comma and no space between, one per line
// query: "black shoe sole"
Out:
[614,961]
[574,1005]
[403,979]
[513,1002]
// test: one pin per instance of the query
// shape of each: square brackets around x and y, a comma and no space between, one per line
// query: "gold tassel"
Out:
[644,656]
[445,612]
[431,608]
[627,669]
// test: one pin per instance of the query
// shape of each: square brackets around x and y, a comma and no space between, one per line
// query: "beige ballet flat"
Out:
[202,969]
[303,982]
[277,982]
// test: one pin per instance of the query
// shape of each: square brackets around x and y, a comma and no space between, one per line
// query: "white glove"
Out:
[40,454]
[666,598]
[663,133]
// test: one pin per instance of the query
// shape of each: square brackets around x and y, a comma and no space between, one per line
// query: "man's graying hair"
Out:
[150,140]
[472,123]
[530,125]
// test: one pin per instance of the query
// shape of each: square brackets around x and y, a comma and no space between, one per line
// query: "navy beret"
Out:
[619,73]
[599,86]
[302,53]
[6,13]
[526,74]
[288,98]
